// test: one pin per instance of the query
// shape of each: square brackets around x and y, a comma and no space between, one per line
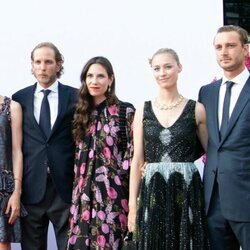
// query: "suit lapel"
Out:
[214,110]
[243,99]
[30,108]
[63,100]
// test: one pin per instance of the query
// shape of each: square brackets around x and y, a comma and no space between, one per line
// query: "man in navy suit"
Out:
[48,152]
[227,169]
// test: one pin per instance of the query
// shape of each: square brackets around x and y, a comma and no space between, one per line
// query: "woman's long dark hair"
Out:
[85,103]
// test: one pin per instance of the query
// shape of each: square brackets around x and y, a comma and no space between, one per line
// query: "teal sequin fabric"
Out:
[171,208]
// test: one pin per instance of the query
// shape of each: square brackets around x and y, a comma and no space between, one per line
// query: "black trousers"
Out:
[225,234]
[35,226]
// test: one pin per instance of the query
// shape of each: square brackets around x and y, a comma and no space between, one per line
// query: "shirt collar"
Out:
[239,79]
[53,87]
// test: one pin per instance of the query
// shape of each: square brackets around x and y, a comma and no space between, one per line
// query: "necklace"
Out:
[168,107]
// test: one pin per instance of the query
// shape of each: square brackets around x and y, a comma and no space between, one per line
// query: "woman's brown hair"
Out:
[85,104]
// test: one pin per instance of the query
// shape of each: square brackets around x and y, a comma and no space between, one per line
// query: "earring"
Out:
[109,89]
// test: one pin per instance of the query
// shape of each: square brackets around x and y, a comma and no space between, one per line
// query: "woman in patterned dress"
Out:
[170,212]
[98,214]
[11,169]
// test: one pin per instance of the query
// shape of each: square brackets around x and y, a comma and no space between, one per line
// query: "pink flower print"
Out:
[111,216]
[107,153]
[87,242]
[85,197]
[111,237]
[71,222]
[98,195]
[91,153]
[113,110]
[125,165]
[114,130]
[92,129]
[78,155]
[93,213]
[204,158]
[82,168]
[101,215]
[116,153]
[72,239]
[124,203]
[72,209]
[116,244]
[75,194]
[109,207]
[101,169]
[117,180]
[86,215]
[81,182]
[99,126]
[101,241]
[101,178]
[76,230]
[106,128]
[109,140]
[75,214]
[123,220]
[80,144]
[112,193]
[105,228]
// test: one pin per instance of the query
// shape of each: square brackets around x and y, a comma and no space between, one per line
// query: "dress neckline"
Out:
[101,106]
[178,118]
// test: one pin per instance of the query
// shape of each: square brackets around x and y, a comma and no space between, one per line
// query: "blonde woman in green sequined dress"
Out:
[170,212]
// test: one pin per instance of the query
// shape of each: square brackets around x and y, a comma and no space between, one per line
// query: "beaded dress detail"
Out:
[8,233]
[171,207]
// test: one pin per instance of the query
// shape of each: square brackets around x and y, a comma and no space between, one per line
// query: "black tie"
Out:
[225,112]
[44,120]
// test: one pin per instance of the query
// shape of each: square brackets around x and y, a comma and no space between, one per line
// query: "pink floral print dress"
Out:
[98,214]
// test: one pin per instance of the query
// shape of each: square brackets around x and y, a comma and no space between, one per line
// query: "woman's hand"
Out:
[132,219]
[143,168]
[13,207]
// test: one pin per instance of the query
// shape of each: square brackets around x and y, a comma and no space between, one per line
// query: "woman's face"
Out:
[98,81]
[165,70]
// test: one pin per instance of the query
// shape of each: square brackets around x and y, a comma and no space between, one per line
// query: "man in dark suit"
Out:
[227,169]
[48,149]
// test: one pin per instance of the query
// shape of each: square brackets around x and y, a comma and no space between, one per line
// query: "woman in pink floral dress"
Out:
[103,135]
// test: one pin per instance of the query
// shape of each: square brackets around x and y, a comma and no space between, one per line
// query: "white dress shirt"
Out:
[53,102]
[239,81]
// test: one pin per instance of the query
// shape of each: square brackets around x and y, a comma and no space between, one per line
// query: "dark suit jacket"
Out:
[57,152]
[230,155]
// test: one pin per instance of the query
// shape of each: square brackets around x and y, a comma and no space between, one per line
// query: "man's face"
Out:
[44,66]
[230,52]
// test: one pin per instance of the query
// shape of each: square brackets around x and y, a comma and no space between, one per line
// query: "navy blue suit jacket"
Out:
[230,155]
[57,151]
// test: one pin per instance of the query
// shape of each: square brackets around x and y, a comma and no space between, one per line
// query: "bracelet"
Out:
[17,179]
